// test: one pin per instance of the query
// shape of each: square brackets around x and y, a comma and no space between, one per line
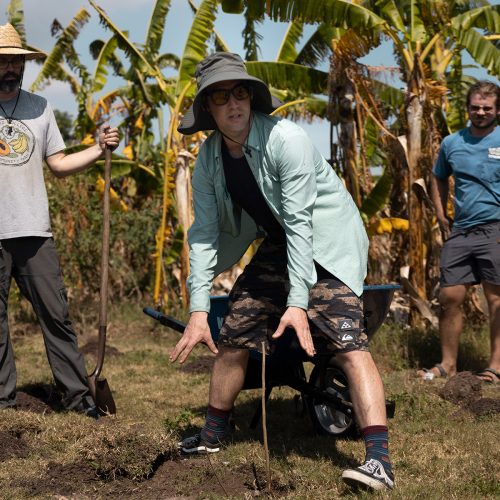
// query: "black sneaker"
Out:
[194,445]
[371,474]
[89,410]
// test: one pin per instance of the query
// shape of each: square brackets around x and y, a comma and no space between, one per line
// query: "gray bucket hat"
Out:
[219,67]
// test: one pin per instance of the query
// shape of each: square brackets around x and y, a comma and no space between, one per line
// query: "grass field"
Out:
[439,449]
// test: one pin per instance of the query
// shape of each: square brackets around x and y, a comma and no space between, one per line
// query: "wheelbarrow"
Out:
[326,390]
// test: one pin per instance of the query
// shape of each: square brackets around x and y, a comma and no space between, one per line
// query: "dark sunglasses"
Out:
[15,61]
[221,96]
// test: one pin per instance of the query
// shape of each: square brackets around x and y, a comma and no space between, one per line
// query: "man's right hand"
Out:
[445,227]
[197,330]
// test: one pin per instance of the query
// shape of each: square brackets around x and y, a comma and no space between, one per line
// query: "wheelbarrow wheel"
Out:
[329,418]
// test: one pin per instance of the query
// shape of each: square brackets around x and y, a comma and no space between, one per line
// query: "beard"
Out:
[10,82]
[484,124]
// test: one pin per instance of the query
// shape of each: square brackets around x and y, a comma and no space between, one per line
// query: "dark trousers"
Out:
[34,264]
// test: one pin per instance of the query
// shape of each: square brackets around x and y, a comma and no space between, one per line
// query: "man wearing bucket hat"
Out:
[260,176]
[29,136]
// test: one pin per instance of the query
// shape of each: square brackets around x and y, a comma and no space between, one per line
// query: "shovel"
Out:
[99,387]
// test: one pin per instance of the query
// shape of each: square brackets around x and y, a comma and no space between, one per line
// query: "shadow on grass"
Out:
[289,430]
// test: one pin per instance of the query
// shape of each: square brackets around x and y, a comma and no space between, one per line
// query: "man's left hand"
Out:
[296,318]
[108,138]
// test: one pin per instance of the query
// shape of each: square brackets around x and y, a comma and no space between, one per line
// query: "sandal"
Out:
[430,375]
[489,375]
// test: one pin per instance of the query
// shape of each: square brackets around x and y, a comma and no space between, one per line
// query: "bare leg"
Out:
[492,293]
[451,299]
[365,387]
[228,375]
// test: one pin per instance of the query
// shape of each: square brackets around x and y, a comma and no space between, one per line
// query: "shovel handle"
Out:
[103,295]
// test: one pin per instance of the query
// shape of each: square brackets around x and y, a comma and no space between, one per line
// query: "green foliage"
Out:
[76,210]
[377,199]
[65,123]
[179,422]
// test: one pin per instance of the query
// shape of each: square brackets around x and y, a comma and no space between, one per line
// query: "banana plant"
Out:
[427,37]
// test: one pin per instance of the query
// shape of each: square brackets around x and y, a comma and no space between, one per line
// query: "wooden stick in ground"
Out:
[264,425]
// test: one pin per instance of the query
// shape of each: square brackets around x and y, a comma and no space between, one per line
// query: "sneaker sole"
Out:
[200,450]
[355,478]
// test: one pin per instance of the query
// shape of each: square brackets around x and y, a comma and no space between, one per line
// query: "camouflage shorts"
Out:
[258,300]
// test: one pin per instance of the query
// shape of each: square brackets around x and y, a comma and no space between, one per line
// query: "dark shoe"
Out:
[89,410]
[194,445]
[369,475]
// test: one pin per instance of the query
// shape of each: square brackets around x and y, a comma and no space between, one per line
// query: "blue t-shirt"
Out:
[475,164]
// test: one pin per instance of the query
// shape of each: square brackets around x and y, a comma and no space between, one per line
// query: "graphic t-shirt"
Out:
[475,164]
[32,136]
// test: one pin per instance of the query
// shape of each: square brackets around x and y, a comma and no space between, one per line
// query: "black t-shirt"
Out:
[245,192]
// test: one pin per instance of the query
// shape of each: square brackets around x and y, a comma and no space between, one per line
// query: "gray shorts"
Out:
[258,300]
[472,255]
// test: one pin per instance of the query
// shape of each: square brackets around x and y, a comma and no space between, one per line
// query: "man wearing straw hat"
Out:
[29,136]
[255,176]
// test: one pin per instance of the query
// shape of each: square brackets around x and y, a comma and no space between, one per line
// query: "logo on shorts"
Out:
[494,153]
[347,336]
[346,324]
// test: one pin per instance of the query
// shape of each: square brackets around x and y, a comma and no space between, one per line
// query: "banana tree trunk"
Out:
[341,111]
[183,197]
[414,112]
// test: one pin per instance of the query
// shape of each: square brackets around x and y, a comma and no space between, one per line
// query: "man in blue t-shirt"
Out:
[471,251]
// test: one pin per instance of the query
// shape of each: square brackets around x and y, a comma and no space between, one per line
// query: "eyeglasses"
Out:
[15,61]
[221,96]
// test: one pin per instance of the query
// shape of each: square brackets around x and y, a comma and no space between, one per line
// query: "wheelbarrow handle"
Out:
[165,320]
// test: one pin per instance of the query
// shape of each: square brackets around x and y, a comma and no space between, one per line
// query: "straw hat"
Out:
[219,67]
[11,44]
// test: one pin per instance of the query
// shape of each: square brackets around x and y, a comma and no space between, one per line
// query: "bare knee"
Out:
[452,297]
[229,356]
[353,360]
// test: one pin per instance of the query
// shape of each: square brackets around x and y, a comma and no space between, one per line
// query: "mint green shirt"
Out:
[320,219]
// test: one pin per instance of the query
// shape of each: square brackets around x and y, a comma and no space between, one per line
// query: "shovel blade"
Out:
[101,392]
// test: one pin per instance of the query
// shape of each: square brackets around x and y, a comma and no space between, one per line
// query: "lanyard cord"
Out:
[10,118]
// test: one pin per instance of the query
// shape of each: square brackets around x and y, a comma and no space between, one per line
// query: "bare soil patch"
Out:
[203,364]
[90,349]
[60,480]
[173,478]
[465,389]
[13,446]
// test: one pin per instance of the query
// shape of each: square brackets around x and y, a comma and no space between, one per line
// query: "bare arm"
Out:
[62,165]
[439,194]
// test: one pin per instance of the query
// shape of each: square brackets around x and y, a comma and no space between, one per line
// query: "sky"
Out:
[134,16]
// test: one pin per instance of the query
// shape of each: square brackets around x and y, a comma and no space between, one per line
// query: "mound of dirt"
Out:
[463,388]
[485,406]
[12,446]
[27,402]
[90,349]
